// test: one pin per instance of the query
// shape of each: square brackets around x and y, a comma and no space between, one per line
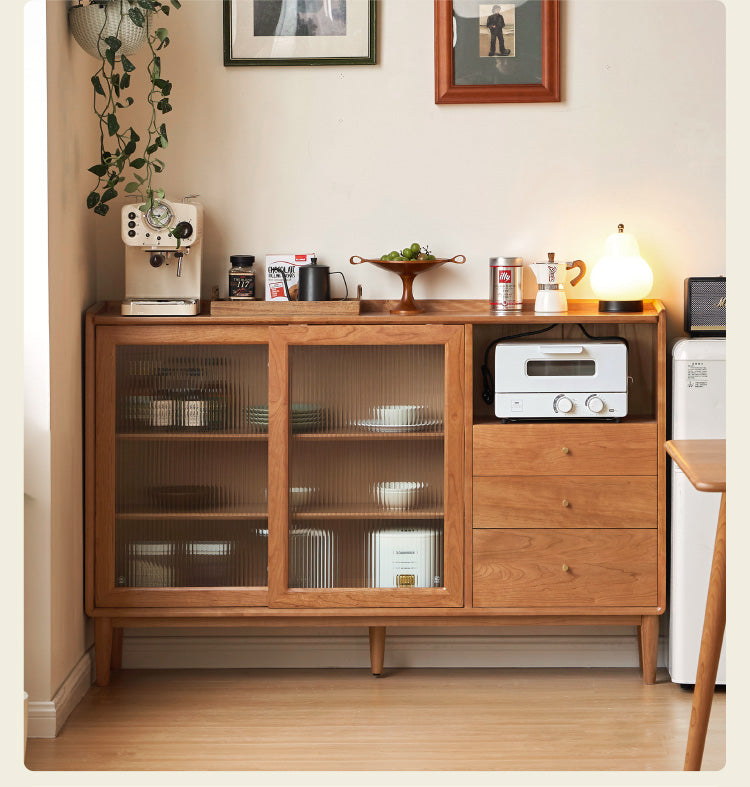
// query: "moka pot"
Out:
[550,277]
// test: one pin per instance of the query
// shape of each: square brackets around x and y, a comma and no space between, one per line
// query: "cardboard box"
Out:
[290,265]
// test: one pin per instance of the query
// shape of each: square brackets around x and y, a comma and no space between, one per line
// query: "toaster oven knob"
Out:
[562,404]
[595,404]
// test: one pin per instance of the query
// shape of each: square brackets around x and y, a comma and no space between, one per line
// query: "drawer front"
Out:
[565,501]
[565,568]
[628,448]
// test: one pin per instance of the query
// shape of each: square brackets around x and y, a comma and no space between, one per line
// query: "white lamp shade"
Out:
[621,274]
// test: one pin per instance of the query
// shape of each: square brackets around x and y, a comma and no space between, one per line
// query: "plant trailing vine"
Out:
[111,82]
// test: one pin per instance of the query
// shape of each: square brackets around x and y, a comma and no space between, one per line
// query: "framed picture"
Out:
[299,32]
[497,52]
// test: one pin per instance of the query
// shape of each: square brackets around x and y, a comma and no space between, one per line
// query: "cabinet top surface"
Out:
[435,311]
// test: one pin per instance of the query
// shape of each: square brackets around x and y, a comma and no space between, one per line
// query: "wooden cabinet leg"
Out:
[640,648]
[710,652]
[116,662]
[649,641]
[377,649]
[103,649]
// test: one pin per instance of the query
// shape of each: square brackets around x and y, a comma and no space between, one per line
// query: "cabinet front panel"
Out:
[362,508]
[182,473]
[565,501]
[564,568]
[627,448]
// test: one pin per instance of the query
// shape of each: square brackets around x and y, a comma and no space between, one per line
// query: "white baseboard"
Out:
[47,718]
[341,651]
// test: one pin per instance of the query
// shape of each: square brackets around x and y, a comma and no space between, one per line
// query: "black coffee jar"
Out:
[242,277]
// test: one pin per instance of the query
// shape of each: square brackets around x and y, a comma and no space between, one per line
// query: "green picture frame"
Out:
[356,45]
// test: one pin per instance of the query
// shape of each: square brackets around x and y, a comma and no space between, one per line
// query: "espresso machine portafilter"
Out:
[163,257]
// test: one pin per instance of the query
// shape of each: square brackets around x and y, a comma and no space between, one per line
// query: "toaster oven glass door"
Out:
[559,368]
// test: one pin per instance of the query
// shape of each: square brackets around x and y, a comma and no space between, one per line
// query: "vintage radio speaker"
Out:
[706,306]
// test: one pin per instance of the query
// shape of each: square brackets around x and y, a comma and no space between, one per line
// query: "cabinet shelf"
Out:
[208,514]
[350,435]
[368,513]
[190,436]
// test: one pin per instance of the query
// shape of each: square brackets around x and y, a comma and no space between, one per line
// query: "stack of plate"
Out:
[398,418]
[304,417]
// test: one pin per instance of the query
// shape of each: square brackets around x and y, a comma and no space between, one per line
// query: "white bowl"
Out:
[399,495]
[399,414]
[300,496]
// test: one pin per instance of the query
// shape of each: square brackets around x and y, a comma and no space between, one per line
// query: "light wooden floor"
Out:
[417,719]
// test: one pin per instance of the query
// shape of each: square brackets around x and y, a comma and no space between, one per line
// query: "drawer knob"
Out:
[565,567]
[565,502]
[565,449]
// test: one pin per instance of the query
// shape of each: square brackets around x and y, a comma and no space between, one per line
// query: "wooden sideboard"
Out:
[235,470]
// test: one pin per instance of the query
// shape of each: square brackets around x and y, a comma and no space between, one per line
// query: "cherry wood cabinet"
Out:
[344,470]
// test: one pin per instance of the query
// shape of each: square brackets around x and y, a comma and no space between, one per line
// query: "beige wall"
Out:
[56,634]
[72,285]
[358,160]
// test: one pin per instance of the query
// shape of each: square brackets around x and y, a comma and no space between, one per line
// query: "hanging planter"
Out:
[92,24]
[111,30]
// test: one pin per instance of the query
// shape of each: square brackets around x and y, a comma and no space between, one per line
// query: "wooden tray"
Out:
[283,308]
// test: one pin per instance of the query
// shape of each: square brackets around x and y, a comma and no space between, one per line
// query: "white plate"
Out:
[377,426]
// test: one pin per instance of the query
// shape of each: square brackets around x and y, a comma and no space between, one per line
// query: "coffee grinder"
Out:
[163,258]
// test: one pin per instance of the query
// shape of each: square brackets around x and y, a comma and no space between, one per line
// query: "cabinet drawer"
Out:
[564,568]
[628,448]
[565,501]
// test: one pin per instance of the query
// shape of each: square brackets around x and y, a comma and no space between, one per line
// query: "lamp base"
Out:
[621,306]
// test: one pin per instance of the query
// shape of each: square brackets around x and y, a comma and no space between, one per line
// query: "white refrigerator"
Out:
[698,411]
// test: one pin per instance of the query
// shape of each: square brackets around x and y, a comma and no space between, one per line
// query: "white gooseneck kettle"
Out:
[550,277]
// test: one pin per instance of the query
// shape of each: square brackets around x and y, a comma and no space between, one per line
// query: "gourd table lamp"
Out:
[622,278]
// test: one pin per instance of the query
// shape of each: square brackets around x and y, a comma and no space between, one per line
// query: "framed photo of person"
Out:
[299,32]
[503,52]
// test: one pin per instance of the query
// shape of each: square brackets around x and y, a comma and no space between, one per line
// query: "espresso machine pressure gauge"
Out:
[159,215]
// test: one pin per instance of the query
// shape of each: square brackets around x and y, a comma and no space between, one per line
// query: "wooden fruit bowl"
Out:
[407,270]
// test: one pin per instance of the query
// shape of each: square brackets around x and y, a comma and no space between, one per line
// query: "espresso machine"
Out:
[163,258]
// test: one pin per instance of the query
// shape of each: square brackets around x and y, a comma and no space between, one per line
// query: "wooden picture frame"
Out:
[354,44]
[494,81]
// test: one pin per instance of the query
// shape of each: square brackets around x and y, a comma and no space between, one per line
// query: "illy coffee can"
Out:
[506,284]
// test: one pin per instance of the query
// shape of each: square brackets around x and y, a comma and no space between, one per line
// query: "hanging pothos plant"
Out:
[124,154]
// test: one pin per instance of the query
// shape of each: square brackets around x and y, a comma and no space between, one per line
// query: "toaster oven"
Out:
[561,379]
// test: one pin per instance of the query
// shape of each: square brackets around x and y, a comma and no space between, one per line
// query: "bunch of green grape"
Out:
[413,252]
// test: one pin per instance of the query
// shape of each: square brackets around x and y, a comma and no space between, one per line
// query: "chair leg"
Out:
[377,649]
[710,652]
